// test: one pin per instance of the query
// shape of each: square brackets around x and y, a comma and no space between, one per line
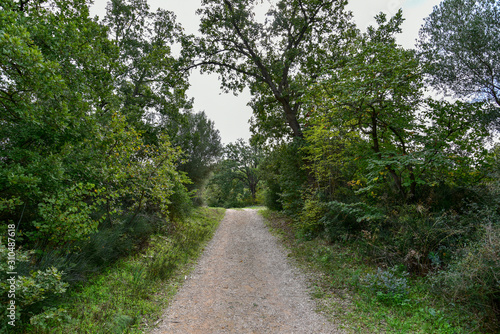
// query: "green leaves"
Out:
[66,215]
[236,177]
[77,144]
[369,122]
[459,41]
[276,58]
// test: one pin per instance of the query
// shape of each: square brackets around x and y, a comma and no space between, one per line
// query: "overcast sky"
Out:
[230,113]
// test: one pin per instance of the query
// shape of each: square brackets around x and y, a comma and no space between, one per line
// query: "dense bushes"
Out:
[88,171]
[473,276]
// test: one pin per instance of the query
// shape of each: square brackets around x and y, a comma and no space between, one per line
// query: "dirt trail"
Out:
[243,284]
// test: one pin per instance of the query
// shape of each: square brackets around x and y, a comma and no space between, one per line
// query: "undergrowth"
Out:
[361,297]
[130,295]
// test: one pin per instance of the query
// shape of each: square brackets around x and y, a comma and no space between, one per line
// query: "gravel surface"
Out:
[243,283]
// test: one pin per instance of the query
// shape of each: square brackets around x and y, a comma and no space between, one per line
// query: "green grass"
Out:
[132,294]
[338,278]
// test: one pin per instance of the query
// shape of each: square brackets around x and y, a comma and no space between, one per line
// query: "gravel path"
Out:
[243,283]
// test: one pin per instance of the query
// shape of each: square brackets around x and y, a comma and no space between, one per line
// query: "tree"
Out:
[53,65]
[200,143]
[150,85]
[377,99]
[69,160]
[376,94]
[276,58]
[459,40]
[236,176]
[244,160]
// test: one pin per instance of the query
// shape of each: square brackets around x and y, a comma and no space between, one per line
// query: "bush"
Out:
[272,197]
[309,224]
[31,289]
[343,220]
[181,204]
[412,235]
[474,277]
[285,178]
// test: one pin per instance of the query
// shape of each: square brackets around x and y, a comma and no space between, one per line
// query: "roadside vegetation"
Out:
[360,295]
[131,294]
[366,163]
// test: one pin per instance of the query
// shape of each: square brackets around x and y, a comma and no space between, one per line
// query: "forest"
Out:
[356,141]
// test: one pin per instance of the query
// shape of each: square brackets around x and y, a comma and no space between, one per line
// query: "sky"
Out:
[230,113]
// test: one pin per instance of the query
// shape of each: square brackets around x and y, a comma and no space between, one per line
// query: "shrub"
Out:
[421,240]
[31,289]
[474,276]
[181,203]
[344,220]
[309,224]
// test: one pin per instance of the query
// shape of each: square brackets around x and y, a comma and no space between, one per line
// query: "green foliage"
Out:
[31,289]
[201,146]
[68,152]
[236,178]
[50,318]
[66,215]
[342,221]
[284,176]
[459,42]
[272,192]
[151,88]
[390,286]
[310,218]
[372,129]
[473,276]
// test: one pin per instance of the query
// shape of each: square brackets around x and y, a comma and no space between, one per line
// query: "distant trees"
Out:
[236,177]
[200,143]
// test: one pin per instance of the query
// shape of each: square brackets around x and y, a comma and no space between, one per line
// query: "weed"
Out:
[389,286]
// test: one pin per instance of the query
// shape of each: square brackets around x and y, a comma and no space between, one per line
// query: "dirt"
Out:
[244,283]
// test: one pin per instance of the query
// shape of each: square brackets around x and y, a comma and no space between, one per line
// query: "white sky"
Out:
[230,113]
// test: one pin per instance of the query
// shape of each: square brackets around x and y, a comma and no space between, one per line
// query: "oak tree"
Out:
[276,58]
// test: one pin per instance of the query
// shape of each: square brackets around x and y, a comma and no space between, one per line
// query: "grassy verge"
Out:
[355,295]
[132,294]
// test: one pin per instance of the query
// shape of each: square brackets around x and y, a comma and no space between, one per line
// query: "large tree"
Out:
[460,42]
[275,58]
[150,85]
[374,106]
[68,157]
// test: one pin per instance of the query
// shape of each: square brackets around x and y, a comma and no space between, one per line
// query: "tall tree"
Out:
[377,98]
[150,85]
[200,142]
[275,58]
[460,42]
